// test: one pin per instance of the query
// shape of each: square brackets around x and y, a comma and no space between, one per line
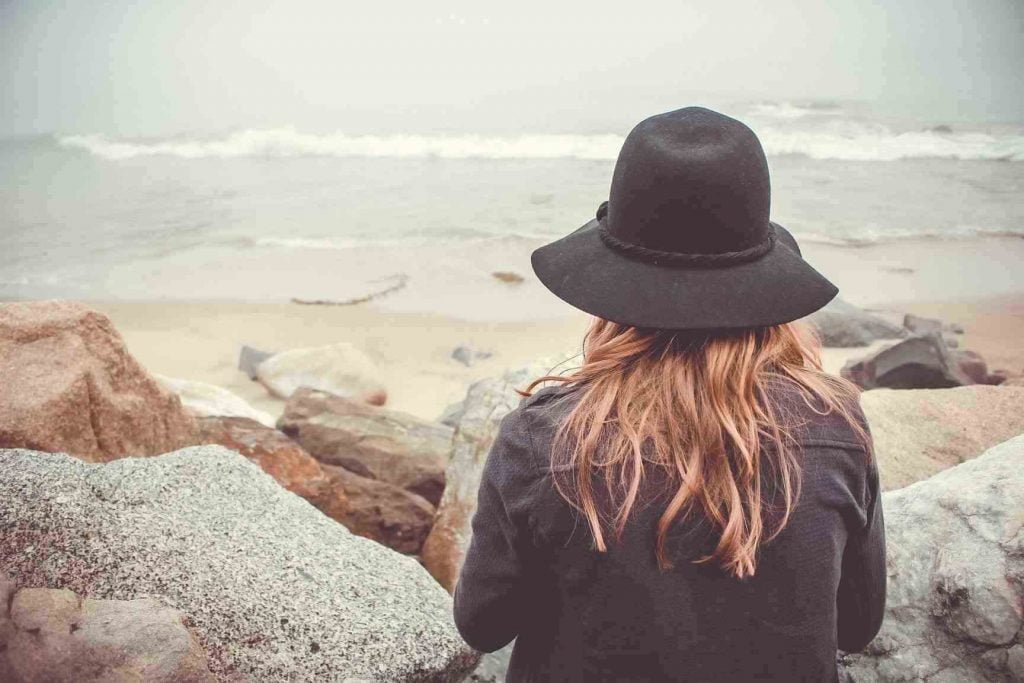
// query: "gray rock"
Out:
[341,369]
[919,362]
[844,325]
[493,666]
[921,325]
[956,576]
[487,402]
[56,636]
[468,356]
[452,414]
[249,360]
[275,590]
[917,324]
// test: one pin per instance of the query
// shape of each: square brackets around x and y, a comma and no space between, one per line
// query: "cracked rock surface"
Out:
[955,603]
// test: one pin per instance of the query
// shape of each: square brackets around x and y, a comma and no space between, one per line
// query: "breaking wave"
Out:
[867,238]
[844,140]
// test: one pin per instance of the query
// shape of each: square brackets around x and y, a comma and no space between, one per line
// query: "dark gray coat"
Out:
[580,615]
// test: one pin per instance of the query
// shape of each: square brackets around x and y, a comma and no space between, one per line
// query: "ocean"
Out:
[267,215]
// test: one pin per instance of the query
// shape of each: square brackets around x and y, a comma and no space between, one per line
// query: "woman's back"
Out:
[580,615]
[697,501]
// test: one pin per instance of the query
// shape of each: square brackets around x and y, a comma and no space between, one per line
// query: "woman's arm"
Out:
[860,600]
[490,596]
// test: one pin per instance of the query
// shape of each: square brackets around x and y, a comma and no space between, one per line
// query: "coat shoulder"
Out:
[813,422]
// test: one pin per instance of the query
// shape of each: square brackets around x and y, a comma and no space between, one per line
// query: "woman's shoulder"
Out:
[548,406]
[532,424]
[812,422]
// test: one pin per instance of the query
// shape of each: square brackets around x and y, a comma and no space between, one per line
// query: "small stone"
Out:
[508,277]
[249,360]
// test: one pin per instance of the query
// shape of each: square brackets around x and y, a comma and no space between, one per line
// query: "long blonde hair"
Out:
[697,406]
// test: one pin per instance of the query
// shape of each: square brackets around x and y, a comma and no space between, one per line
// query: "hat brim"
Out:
[586,273]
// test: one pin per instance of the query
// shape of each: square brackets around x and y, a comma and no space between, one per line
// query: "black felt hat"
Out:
[685,241]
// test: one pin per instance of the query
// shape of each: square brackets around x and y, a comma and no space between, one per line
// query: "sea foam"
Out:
[842,140]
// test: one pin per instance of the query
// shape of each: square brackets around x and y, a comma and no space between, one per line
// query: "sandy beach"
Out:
[190,322]
[201,341]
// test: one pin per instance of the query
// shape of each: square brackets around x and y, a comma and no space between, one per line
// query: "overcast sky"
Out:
[163,67]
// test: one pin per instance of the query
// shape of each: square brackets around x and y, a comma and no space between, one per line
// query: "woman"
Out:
[699,501]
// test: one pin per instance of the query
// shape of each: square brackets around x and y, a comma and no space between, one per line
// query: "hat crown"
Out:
[690,181]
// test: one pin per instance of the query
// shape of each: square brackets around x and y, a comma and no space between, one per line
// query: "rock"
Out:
[376,510]
[468,356]
[277,455]
[71,386]
[380,511]
[206,400]
[508,277]
[340,369]
[53,635]
[917,324]
[249,360]
[493,666]
[920,362]
[373,442]
[920,325]
[273,589]
[920,432]
[973,365]
[997,377]
[956,576]
[487,402]
[841,324]
[452,414]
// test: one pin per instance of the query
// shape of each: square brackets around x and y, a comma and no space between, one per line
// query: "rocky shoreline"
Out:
[317,544]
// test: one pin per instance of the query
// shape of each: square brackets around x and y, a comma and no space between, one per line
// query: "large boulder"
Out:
[378,510]
[373,442]
[209,400]
[70,385]
[275,453]
[920,432]
[956,576]
[918,362]
[841,324]
[273,589]
[340,369]
[487,402]
[56,636]
[374,509]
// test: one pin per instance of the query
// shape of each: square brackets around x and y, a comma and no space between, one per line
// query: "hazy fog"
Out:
[170,66]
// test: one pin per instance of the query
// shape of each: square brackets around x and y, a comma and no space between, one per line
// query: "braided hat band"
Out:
[659,257]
